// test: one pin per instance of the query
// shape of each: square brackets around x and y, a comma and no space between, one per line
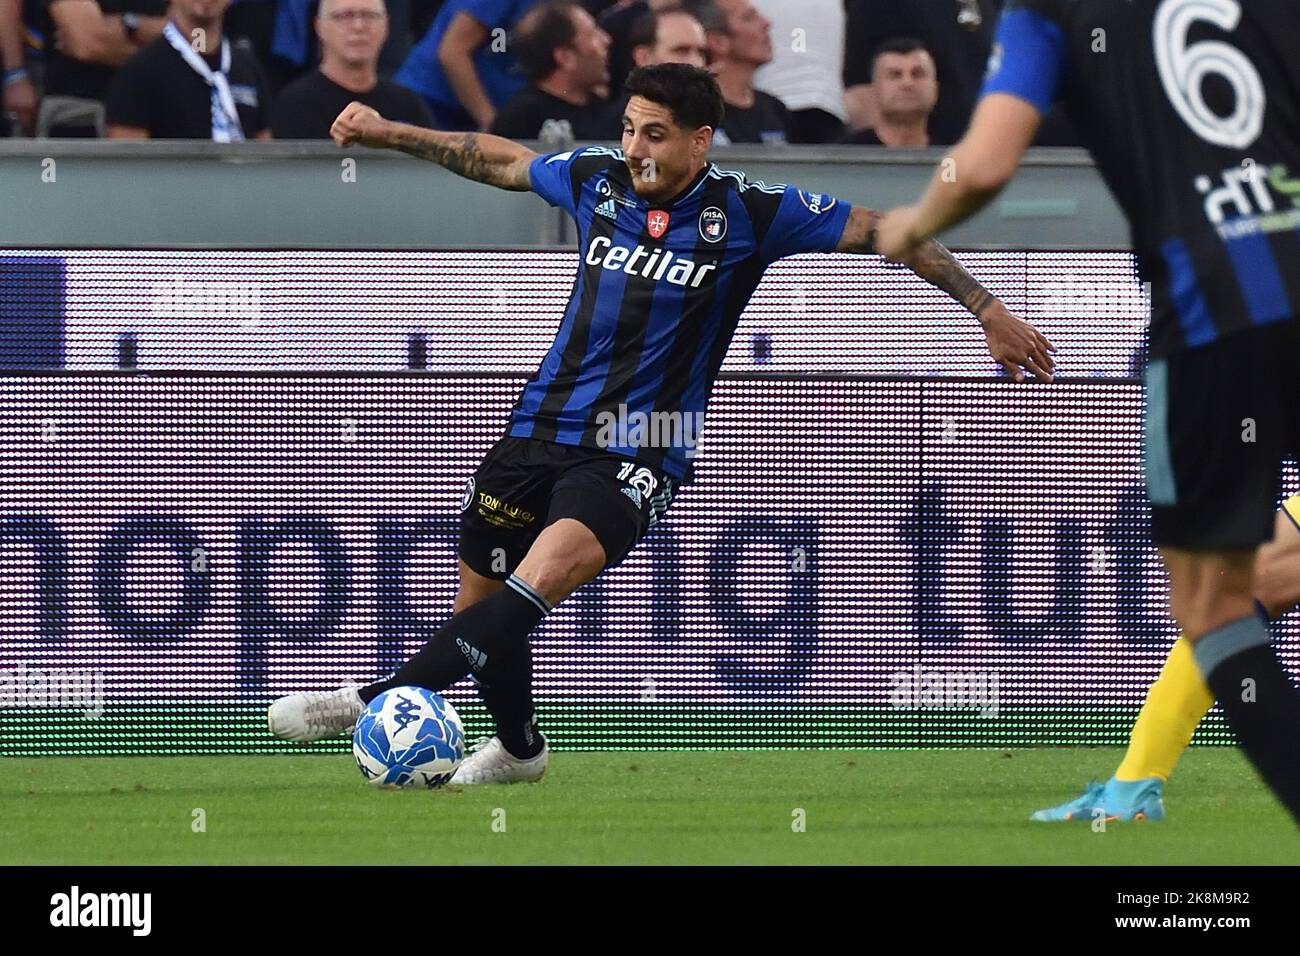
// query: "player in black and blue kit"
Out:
[1191,109]
[671,249]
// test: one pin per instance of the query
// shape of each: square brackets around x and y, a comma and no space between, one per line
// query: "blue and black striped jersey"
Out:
[1191,109]
[659,290]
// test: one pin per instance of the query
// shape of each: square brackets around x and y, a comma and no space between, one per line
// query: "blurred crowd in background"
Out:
[892,73]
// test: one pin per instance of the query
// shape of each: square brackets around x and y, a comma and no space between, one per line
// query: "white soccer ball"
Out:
[408,737]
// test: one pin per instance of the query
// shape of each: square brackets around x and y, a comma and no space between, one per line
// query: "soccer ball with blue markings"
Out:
[408,737]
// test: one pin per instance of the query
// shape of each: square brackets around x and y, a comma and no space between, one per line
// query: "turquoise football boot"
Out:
[1080,808]
[1119,801]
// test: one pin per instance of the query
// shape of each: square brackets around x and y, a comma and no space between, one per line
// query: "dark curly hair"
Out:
[689,93]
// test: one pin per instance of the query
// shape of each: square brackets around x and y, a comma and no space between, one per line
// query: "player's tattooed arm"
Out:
[931,261]
[1013,342]
[478,156]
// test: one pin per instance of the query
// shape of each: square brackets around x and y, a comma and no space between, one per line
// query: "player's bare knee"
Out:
[557,574]
[1199,613]
[1209,590]
[553,578]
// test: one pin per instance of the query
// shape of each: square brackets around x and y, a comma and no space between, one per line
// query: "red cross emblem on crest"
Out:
[656,222]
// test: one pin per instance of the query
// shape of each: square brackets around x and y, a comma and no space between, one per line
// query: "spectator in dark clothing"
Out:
[958,35]
[752,116]
[564,55]
[85,44]
[906,87]
[351,34]
[191,83]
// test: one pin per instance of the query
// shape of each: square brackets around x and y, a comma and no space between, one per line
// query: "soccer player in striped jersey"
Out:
[670,250]
[1179,698]
[1189,109]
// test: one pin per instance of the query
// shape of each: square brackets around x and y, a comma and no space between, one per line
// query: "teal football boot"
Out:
[1119,801]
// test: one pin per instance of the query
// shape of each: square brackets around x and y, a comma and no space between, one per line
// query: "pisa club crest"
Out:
[656,223]
[713,224]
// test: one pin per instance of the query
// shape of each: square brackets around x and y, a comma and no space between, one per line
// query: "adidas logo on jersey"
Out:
[608,209]
[649,263]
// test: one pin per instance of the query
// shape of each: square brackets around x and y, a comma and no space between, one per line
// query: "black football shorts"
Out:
[525,484]
[1220,420]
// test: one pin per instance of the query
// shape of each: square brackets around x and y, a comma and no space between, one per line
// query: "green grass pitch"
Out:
[718,807]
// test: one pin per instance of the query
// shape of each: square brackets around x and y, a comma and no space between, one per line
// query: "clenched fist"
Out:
[359,125]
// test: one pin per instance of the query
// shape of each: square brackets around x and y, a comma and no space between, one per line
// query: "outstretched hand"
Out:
[1017,345]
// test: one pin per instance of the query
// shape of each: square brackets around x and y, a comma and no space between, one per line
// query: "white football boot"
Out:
[490,762]
[315,715]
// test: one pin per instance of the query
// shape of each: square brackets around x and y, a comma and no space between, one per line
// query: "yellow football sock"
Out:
[1175,704]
